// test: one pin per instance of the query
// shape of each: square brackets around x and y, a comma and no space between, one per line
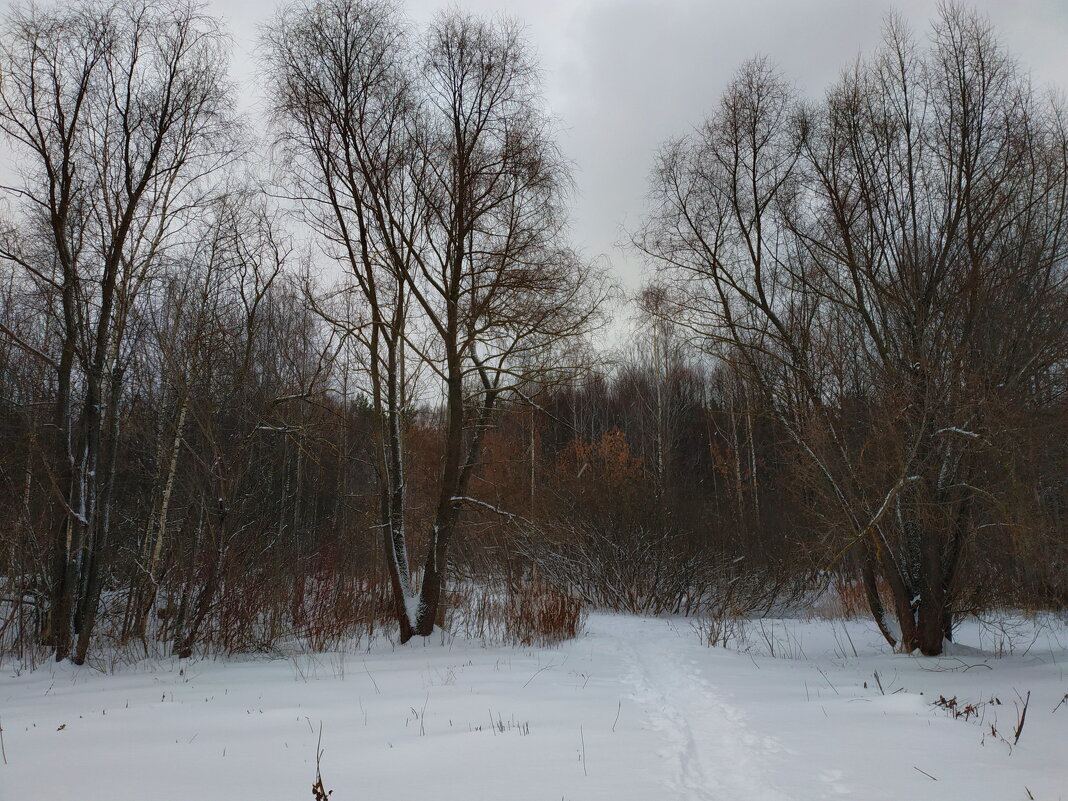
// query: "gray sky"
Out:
[623,75]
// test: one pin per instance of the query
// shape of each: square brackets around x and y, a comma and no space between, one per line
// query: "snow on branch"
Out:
[483,504]
[958,431]
[873,524]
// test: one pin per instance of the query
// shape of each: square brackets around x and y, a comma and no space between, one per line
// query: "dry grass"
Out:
[530,611]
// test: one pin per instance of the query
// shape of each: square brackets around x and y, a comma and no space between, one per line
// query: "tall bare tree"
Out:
[428,167]
[889,269]
[342,102]
[118,111]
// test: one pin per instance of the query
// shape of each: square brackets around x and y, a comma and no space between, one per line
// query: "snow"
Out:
[636,708]
[960,431]
[413,605]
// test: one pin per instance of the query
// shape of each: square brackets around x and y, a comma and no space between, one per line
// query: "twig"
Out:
[925,773]
[582,739]
[319,792]
[618,710]
[2,749]
[965,665]
[372,678]
[845,628]
[1023,716]
[536,675]
[879,682]
[827,680]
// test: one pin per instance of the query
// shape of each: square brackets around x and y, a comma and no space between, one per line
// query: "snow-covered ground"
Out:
[636,708]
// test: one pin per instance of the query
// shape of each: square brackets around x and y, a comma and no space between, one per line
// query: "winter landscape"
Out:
[634,708]
[611,399]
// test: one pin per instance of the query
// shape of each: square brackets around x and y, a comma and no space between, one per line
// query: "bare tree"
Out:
[888,269]
[118,112]
[342,98]
[429,169]
[504,293]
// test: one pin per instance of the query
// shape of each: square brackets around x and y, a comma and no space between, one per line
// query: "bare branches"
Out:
[118,111]
[880,267]
[428,168]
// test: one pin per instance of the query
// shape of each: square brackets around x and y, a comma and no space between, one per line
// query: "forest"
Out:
[340,369]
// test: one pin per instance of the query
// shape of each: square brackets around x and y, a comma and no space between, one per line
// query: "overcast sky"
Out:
[623,75]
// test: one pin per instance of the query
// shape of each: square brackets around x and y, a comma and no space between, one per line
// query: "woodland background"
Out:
[242,378]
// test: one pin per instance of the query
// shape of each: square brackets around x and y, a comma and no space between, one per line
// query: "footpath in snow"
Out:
[636,708]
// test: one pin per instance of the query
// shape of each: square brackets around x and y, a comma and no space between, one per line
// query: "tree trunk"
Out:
[99,558]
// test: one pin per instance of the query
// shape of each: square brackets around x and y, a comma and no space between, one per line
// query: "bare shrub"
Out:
[529,611]
[630,569]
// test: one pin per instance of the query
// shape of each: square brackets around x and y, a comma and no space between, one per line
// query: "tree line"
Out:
[299,384]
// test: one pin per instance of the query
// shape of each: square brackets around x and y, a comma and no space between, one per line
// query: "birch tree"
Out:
[117,111]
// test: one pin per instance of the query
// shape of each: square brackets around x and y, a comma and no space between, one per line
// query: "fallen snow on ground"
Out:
[636,708]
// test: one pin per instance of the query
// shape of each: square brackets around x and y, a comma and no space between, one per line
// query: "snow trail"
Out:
[634,709]
[714,756]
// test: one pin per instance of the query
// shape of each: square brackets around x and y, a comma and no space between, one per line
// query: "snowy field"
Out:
[636,708]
